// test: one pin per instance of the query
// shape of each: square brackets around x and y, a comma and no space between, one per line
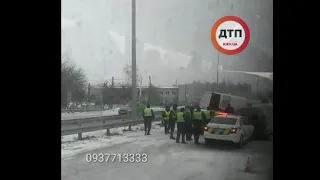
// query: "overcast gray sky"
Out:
[94,32]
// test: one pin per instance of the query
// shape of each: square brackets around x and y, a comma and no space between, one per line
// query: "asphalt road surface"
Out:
[170,161]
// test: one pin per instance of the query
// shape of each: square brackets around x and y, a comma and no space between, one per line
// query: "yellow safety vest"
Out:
[197,115]
[207,113]
[166,115]
[147,112]
[180,117]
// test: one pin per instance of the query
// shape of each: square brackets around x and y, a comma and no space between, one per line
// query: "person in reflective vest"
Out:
[165,116]
[181,126]
[148,116]
[198,118]
[189,125]
[172,120]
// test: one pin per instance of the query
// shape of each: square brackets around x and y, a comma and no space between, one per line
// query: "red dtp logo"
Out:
[230,35]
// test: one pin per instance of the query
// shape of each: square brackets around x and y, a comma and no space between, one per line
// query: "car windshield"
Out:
[224,120]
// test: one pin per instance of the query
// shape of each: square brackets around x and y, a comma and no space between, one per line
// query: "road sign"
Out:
[187,94]
[230,35]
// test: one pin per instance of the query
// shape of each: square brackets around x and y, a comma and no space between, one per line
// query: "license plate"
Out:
[217,131]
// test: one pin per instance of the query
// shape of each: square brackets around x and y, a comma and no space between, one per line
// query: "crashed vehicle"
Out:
[261,117]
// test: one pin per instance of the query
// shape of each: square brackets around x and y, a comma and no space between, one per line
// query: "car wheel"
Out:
[241,142]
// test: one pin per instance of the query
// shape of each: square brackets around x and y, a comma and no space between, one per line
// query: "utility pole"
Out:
[134,68]
[150,83]
[149,90]
[112,82]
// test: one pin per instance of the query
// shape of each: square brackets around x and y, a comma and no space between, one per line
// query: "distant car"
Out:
[228,127]
[126,109]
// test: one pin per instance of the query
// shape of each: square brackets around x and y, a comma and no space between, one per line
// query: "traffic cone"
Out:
[247,169]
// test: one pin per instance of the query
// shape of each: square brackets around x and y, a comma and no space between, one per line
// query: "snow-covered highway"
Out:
[166,159]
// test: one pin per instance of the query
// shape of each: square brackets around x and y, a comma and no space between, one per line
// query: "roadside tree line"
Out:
[73,82]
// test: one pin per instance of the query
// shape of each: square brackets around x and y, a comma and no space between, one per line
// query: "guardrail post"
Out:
[108,132]
[79,136]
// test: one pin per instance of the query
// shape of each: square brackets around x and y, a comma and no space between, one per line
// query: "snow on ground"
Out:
[168,160]
[97,139]
[92,113]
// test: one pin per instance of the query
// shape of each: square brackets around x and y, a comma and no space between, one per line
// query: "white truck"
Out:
[219,100]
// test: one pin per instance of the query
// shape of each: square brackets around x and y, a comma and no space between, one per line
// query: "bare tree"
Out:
[128,75]
[73,80]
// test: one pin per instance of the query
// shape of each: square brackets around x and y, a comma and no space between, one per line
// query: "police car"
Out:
[228,127]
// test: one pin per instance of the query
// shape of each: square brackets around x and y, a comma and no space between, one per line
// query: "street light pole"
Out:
[133,54]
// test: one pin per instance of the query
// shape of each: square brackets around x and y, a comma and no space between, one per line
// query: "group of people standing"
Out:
[189,121]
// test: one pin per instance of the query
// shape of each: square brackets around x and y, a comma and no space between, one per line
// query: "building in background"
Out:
[168,95]
[183,94]
[161,95]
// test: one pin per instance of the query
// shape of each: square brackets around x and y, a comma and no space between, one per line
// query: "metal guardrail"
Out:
[82,125]
[90,110]
[80,110]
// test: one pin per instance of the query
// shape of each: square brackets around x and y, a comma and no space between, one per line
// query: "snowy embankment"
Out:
[91,113]
[70,146]
[111,112]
